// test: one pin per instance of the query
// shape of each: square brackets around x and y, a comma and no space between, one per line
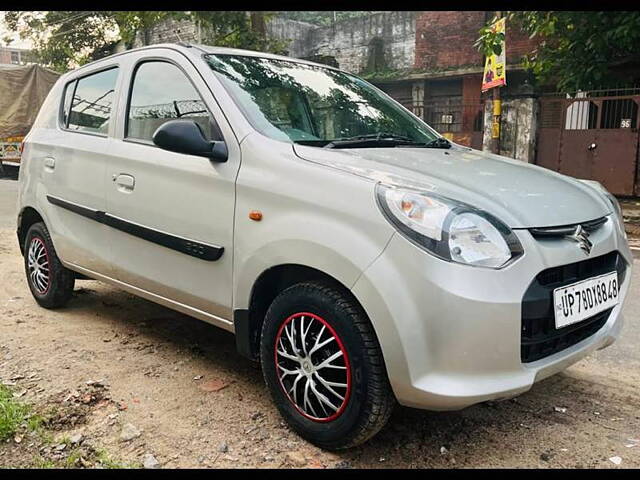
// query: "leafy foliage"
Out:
[66,39]
[63,38]
[577,50]
[237,30]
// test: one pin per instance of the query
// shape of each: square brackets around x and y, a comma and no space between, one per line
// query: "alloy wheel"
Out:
[38,264]
[313,367]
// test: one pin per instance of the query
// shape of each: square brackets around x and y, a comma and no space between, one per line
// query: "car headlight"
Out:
[448,229]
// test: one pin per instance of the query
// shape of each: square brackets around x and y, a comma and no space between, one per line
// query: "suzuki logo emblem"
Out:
[581,236]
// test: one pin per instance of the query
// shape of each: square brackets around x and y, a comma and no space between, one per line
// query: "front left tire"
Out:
[323,366]
[51,284]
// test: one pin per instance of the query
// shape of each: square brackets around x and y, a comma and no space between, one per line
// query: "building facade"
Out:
[14,56]
[427,61]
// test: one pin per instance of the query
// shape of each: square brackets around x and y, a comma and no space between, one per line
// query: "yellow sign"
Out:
[495,129]
[495,66]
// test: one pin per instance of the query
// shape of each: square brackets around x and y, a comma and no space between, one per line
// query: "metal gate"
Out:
[460,122]
[592,135]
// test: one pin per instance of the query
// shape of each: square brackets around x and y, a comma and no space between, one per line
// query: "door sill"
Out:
[180,307]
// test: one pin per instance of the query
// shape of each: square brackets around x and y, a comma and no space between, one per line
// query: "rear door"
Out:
[73,160]
[173,212]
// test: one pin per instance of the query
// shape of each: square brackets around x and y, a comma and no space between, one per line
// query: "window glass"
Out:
[92,102]
[311,104]
[162,92]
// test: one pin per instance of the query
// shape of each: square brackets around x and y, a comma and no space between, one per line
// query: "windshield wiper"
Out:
[439,142]
[379,139]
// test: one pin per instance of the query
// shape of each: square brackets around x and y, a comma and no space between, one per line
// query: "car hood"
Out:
[519,194]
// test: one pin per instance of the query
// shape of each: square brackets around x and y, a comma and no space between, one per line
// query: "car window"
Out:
[312,104]
[287,110]
[92,102]
[162,92]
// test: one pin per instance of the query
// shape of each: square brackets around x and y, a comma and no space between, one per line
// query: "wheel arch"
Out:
[27,217]
[267,286]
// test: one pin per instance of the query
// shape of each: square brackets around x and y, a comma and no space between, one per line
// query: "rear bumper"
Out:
[451,334]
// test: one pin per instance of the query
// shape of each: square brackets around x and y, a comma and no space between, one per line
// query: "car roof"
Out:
[191,49]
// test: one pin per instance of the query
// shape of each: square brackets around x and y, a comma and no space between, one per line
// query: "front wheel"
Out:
[323,366]
[49,281]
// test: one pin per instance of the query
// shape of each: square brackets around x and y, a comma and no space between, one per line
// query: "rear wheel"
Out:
[50,283]
[323,366]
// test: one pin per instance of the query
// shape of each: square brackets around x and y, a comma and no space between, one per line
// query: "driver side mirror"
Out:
[186,136]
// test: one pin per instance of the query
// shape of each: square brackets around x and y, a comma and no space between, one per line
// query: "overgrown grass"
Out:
[13,414]
[17,416]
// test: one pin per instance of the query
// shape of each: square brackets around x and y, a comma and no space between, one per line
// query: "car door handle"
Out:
[124,182]
[49,164]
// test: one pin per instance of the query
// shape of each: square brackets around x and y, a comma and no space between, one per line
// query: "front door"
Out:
[172,214]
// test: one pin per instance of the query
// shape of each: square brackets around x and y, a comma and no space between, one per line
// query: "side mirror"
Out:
[185,136]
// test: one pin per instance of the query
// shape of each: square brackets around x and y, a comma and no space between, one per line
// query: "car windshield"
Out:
[313,105]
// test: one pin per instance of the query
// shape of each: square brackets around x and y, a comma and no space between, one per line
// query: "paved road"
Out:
[158,364]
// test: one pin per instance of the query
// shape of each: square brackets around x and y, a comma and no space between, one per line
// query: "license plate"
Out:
[584,299]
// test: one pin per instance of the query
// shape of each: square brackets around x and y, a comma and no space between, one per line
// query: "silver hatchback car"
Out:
[362,258]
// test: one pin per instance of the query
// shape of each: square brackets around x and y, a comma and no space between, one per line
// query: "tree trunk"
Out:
[258,24]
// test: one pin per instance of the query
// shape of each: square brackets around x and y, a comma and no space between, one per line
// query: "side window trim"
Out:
[76,80]
[125,135]
[65,110]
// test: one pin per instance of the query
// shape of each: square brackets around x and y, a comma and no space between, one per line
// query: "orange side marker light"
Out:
[255,215]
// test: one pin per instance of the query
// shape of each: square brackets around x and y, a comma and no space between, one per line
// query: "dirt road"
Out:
[164,372]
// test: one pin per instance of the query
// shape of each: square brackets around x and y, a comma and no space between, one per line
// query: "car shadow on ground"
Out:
[412,436]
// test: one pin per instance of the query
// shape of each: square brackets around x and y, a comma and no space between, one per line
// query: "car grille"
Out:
[564,230]
[539,336]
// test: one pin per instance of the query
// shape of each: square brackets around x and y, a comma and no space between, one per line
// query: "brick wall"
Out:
[444,40]
[518,44]
[424,40]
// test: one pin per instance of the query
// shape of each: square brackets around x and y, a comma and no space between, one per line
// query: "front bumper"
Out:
[451,334]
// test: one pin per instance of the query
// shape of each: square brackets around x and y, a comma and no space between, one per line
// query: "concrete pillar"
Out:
[518,126]
[487,121]
[526,116]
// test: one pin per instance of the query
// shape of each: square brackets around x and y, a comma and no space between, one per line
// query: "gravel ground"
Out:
[193,402]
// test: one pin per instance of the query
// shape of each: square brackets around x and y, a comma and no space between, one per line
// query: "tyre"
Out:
[323,366]
[50,283]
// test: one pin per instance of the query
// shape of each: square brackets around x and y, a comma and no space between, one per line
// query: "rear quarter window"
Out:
[91,102]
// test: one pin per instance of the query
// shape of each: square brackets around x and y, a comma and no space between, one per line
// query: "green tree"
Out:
[66,39]
[576,50]
[63,39]
[238,29]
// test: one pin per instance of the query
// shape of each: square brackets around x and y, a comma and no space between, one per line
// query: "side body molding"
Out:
[203,251]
